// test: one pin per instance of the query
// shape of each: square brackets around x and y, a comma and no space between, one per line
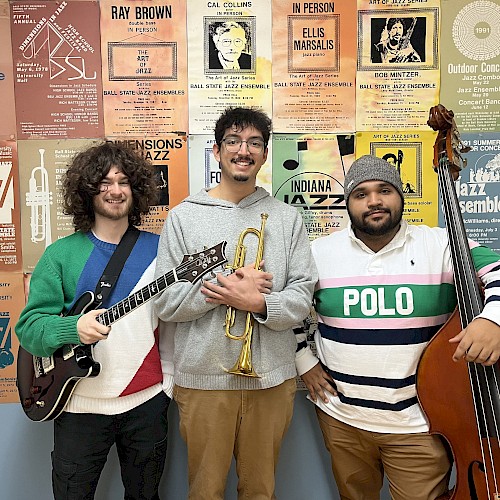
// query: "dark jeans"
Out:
[82,442]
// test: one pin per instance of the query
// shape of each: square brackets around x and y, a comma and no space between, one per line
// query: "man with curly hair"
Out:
[106,189]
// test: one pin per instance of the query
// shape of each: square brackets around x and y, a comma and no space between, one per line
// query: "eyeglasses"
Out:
[237,42]
[233,144]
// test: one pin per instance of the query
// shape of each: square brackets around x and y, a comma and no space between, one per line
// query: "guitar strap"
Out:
[115,265]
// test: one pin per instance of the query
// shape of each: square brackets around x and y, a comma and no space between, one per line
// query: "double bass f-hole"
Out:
[460,399]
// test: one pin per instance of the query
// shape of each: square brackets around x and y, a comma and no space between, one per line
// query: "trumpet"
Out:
[243,365]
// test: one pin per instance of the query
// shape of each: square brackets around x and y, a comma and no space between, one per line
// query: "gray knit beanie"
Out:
[371,168]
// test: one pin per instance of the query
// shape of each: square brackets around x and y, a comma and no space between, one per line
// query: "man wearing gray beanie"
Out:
[383,292]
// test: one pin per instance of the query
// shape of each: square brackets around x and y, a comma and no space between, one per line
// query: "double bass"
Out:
[460,399]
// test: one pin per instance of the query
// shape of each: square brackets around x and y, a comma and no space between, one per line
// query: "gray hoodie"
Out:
[202,351]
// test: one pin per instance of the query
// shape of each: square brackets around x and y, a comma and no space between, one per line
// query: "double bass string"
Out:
[483,379]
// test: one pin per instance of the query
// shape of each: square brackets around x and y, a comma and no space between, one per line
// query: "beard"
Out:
[111,212]
[239,177]
[359,223]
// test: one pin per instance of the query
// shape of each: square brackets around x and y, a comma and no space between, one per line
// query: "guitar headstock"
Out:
[448,145]
[194,266]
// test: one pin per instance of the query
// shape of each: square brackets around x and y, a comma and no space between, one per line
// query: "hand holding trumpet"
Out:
[242,290]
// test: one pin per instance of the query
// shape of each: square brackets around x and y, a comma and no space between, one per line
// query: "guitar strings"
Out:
[113,313]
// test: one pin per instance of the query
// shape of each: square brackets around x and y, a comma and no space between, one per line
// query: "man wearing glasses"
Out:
[230,40]
[224,414]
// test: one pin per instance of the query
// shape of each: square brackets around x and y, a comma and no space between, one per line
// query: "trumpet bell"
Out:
[245,371]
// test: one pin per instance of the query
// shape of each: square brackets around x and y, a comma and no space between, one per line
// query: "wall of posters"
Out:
[144,67]
[339,78]
[229,63]
[314,67]
[57,67]
[470,63]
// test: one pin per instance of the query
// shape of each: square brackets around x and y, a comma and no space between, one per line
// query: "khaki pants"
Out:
[247,424]
[417,465]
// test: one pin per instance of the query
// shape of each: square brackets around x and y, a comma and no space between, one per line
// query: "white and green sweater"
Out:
[377,312]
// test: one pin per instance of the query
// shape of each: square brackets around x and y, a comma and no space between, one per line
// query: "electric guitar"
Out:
[45,384]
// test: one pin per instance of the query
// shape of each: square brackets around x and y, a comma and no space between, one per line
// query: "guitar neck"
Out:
[191,269]
[137,299]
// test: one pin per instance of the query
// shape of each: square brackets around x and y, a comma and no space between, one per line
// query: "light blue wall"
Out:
[303,472]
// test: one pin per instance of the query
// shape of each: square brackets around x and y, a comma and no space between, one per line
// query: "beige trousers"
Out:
[417,465]
[247,424]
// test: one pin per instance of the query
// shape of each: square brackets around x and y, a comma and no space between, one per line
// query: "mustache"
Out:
[371,212]
[243,158]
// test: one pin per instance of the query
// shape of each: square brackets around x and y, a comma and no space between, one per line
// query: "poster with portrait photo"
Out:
[227,65]
[229,45]
[398,40]
[398,65]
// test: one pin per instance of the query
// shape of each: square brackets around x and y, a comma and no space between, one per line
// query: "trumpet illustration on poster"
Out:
[39,198]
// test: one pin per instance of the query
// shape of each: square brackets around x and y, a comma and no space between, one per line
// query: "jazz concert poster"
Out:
[144,51]
[398,64]
[478,189]
[10,217]
[308,173]
[8,121]
[11,304]
[57,68]
[412,155]
[314,67]
[42,218]
[470,63]
[228,65]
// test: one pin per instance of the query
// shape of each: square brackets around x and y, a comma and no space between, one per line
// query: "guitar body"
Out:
[45,384]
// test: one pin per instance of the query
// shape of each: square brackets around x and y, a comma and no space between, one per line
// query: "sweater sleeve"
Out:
[487,264]
[41,329]
[304,357]
[289,306]
[182,301]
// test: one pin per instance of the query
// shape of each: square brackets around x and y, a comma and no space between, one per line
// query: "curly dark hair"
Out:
[240,118]
[89,167]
